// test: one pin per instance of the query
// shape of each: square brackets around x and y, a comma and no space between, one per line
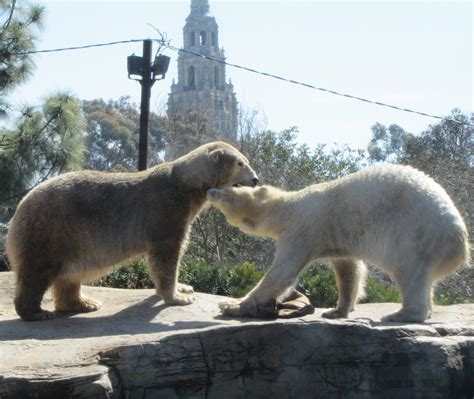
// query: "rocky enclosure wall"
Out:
[135,347]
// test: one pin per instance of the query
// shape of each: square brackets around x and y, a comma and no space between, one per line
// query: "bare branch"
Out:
[10,16]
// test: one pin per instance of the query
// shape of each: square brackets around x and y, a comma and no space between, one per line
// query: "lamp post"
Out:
[147,74]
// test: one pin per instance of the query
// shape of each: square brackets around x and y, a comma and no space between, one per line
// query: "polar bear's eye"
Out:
[240,163]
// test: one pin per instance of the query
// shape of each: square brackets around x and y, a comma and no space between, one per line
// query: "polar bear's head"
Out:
[216,165]
[245,207]
[232,168]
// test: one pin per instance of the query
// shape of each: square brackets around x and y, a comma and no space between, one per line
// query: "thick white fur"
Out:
[391,216]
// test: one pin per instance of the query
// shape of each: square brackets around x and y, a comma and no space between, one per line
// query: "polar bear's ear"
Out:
[214,193]
[215,155]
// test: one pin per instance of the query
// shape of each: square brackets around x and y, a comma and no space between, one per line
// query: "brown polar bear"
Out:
[73,227]
[395,217]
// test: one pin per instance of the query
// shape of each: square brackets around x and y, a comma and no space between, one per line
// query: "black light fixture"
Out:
[147,73]
[160,66]
[134,65]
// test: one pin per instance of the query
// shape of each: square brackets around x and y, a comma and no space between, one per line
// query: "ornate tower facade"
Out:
[202,85]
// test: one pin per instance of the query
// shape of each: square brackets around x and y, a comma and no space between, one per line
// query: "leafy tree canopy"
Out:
[183,133]
[44,143]
[113,133]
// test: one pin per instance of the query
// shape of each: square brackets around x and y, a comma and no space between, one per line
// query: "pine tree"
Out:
[19,24]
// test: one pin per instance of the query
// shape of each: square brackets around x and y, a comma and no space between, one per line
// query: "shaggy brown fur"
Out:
[74,227]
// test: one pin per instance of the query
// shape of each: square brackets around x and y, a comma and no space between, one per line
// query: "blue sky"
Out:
[413,54]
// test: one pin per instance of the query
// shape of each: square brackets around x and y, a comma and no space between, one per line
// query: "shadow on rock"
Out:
[136,319]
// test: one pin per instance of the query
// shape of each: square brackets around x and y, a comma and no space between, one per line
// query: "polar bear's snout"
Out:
[245,176]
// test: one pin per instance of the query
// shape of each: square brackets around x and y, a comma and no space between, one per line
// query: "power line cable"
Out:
[310,86]
[55,50]
[163,42]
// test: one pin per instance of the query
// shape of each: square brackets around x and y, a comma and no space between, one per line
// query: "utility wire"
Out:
[55,50]
[310,86]
[164,43]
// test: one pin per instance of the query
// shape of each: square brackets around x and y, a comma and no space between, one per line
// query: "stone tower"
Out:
[202,85]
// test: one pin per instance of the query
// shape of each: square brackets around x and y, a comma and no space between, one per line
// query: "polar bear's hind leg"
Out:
[350,281]
[416,292]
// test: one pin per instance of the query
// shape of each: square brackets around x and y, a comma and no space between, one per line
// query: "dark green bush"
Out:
[242,278]
[233,281]
[318,283]
[445,296]
[204,277]
[378,292]
[131,274]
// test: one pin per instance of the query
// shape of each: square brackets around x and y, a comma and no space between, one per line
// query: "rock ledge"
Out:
[135,347]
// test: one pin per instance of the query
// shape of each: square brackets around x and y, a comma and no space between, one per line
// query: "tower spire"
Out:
[202,85]
[199,8]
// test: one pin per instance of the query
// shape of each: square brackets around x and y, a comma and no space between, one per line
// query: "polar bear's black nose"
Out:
[255,181]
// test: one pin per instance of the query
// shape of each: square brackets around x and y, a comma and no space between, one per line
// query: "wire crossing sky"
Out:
[416,56]
[166,44]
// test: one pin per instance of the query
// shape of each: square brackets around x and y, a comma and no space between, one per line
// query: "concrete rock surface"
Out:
[136,347]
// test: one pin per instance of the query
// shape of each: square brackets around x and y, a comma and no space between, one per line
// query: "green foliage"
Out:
[242,278]
[184,133]
[113,134]
[131,274]
[449,296]
[204,277]
[280,161]
[319,285]
[19,24]
[234,281]
[378,292]
[388,143]
[44,143]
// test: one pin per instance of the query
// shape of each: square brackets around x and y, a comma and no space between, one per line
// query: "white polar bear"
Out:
[392,216]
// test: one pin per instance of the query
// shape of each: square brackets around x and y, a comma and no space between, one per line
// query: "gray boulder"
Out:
[135,347]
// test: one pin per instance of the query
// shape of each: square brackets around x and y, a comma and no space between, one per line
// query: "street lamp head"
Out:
[134,65]
[160,66]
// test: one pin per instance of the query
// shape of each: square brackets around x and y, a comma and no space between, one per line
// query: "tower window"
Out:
[191,78]
[202,37]
[192,38]
[216,77]
[214,39]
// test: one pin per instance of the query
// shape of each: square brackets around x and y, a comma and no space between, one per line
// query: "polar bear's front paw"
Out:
[335,314]
[248,307]
[187,289]
[230,307]
[180,299]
